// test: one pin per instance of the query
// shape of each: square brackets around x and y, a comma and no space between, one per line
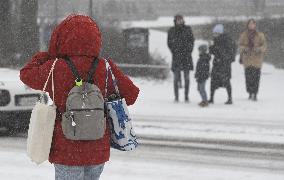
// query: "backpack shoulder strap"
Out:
[92,71]
[72,67]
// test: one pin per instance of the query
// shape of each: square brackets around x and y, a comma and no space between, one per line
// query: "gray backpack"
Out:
[84,118]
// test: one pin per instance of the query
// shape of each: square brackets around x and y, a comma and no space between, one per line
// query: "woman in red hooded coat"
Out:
[79,38]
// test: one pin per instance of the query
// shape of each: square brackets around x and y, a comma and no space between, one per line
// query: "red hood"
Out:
[77,35]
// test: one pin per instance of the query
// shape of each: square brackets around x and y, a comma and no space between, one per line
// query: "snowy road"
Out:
[228,129]
[255,156]
[213,120]
[159,160]
[204,140]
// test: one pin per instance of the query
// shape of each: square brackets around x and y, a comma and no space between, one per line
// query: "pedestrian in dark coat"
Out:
[224,51]
[180,43]
[79,38]
[202,73]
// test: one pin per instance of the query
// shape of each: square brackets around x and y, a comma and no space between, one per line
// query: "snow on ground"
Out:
[15,165]
[156,102]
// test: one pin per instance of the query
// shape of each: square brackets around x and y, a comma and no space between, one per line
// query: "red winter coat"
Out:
[78,37]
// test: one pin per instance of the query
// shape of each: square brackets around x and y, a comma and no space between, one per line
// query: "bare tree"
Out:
[29,31]
[6,43]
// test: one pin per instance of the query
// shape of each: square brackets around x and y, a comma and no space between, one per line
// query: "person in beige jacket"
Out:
[252,47]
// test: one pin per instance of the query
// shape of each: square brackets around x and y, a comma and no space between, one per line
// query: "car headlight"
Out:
[4,97]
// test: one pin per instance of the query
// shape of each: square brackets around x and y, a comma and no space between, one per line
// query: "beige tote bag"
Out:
[41,126]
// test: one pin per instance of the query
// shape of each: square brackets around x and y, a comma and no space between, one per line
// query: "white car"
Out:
[16,101]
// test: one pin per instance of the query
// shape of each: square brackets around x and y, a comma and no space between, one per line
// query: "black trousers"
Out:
[177,80]
[252,79]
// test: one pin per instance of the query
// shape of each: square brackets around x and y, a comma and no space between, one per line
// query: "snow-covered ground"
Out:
[15,166]
[139,165]
[244,120]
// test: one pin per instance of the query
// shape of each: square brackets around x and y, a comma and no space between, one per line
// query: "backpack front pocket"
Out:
[83,125]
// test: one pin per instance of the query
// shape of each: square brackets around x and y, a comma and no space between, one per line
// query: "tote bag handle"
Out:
[52,81]
[114,81]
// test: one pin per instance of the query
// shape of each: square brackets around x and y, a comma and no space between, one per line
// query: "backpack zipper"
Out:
[73,123]
[94,109]
[93,91]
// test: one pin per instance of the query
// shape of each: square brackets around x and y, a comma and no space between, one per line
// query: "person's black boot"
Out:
[211,100]
[229,91]
[176,100]
[186,100]
[254,97]
[229,102]
[250,96]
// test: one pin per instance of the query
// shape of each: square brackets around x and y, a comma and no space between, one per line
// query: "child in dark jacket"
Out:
[202,73]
